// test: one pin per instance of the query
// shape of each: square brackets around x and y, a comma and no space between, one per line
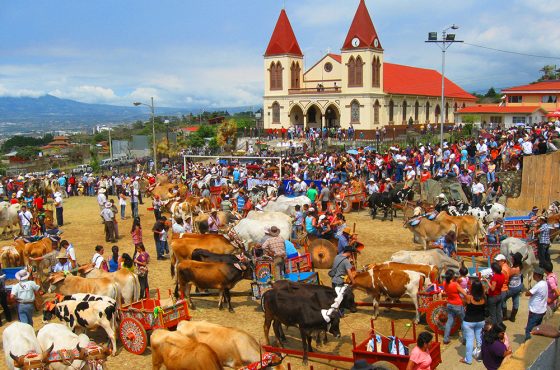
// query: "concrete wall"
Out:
[540,184]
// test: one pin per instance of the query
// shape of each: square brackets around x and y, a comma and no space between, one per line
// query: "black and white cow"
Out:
[84,314]
[486,213]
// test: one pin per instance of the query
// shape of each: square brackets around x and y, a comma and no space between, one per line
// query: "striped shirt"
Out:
[544,235]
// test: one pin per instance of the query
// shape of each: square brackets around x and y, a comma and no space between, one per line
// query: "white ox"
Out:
[511,246]
[9,219]
[429,257]
[19,339]
[253,230]
[286,205]
[62,338]
[269,216]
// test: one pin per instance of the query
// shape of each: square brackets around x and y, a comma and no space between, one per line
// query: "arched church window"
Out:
[427,111]
[391,111]
[376,107]
[376,72]
[404,106]
[358,80]
[295,72]
[355,112]
[352,72]
[275,112]
[446,112]
[416,111]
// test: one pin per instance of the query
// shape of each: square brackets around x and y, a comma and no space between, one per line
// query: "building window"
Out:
[404,106]
[416,111]
[549,99]
[276,76]
[295,71]
[496,119]
[355,72]
[446,112]
[517,120]
[515,99]
[376,107]
[455,107]
[355,112]
[427,111]
[328,67]
[275,112]
[376,72]
[391,111]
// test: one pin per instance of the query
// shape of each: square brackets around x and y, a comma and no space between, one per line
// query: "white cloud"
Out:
[17,93]
[86,93]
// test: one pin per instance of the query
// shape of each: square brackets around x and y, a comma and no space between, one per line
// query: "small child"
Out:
[449,247]
[298,222]
[463,279]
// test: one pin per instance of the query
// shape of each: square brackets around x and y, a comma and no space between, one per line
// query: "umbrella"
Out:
[352,151]
[369,148]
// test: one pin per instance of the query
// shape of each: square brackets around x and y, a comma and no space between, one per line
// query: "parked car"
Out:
[82,168]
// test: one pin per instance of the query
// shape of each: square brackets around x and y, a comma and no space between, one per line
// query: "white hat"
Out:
[441,195]
[371,180]
[57,194]
[500,257]
[102,190]
[22,275]
[322,217]
[108,204]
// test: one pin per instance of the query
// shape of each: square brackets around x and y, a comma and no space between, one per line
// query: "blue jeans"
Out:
[160,248]
[134,208]
[491,177]
[495,308]
[25,313]
[453,311]
[472,331]
[123,208]
[534,319]
[514,294]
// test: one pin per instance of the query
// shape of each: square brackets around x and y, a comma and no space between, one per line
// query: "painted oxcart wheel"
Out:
[346,206]
[133,336]
[322,253]
[436,317]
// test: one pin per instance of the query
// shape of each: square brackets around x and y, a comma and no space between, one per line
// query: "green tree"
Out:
[491,93]
[28,152]
[549,72]
[195,141]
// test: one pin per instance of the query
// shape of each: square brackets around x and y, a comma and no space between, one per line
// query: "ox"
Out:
[202,255]
[234,347]
[486,213]
[9,219]
[182,246]
[386,200]
[40,255]
[391,283]
[201,221]
[302,308]
[68,285]
[511,246]
[19,340]
[10,257]
[127,281]
[177,352]
[431,272]
[426,231]
[269,216]
[254,230]
[286,205]
[211,275]
[435,257]
[85,315]
[468,227]
[64,339]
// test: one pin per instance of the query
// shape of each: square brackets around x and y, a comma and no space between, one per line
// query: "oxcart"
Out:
[378,354]
[147,314]
[298,269]
[346,201]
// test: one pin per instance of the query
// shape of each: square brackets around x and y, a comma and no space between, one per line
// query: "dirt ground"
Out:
[83,228]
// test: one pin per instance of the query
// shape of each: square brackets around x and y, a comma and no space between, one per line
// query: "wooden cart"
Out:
[348,200]
[145,315]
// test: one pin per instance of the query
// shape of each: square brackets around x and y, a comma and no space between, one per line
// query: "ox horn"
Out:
[36,258]
[18,360]
[45,355]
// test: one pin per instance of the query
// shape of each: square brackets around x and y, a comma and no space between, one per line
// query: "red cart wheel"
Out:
[133,336]
[436,317]
[346,206]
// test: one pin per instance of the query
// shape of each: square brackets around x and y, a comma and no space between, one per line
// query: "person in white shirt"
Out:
[98,258]
[70,252]
[372,187]
[101,198]
[482,151]
[63,264]
[59,209]
[527,147]
[25,218]
[477,191]
[537,302]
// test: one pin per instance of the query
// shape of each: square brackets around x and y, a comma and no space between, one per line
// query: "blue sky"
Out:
[209,53]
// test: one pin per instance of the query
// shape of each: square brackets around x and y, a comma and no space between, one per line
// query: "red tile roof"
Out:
[336,57]
[189,129]
[482,108]
[539,86]
[400,79]
[283,40]
[362,28]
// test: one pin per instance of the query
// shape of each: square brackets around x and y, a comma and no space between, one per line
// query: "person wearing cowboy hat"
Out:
[63,264]
[345,239]
[275,247]
[59,209]
[342,267]
[108,216]
[214,222]
[24,294]
[101,198]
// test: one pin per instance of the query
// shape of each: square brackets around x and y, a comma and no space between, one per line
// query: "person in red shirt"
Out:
[455,307]
[38,201]
[14,200]
[495,293]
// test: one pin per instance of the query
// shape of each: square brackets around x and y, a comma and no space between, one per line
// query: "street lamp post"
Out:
[447,39]
[152,109]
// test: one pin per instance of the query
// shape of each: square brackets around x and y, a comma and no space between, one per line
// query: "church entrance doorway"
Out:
[313,117]
[332,117]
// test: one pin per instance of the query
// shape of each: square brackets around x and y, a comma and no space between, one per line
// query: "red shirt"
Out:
[452,291]
[38,202]
[424,176]
[499,279]
[14,201]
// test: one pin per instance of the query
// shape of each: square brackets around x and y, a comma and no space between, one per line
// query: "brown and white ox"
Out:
[69,284]
[393,284]
[233,346]
[426,231]
[468,227]
[127,281]
[431,272]
[177,352]
[40,255]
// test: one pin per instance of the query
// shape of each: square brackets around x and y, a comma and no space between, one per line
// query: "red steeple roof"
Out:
[363,29]
[283,40]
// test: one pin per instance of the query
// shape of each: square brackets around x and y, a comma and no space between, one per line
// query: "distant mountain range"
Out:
[48,113]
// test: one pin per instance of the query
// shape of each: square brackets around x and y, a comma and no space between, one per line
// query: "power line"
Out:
[512,52]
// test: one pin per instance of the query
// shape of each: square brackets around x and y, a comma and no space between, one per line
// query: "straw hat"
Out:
[108,205]
[274,231]
[22,275]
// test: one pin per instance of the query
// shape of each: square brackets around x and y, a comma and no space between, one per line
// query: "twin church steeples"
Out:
[361,57]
